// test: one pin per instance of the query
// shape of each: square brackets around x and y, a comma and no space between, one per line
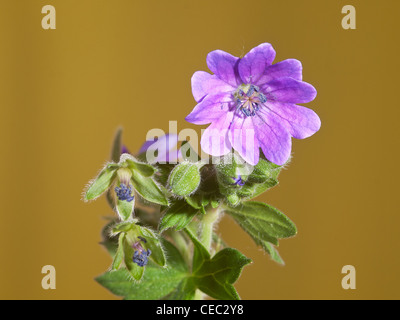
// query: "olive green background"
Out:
[64,92]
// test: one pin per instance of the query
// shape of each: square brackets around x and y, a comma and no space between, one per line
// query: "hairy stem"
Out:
[208,226]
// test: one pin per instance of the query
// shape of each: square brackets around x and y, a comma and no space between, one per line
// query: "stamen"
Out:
[250,91]
[124,192]
[262,98]
[248,99]
[141,257]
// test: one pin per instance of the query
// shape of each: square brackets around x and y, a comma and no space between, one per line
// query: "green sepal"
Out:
[178,216]
[148,189]
[109,241]
[124,227]
[125,209]
[117,146]
[119,255]
[102,182]
[214,203]
[146,170]
[252,190]
[263,171]
[184,179]
[154,244]
[233,199]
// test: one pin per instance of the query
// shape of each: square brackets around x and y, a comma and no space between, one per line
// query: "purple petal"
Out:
[214,139]
[166,147]
[253,64]
[211,108]
[223,65]
[290,68]
[289,90]
[274,138]
[242,136]
[204,83]
[300,121]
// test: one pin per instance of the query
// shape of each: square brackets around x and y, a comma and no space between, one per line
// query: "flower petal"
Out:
[164,149]
[211,108]
[273,137]
[214,139]
[289,90]
[300,121]
[223,65]
[204,83]
[290,68]
[242,136]
[253,64]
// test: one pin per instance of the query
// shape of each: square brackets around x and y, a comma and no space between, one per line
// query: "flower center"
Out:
[248,99]
[124,192]
[140,256]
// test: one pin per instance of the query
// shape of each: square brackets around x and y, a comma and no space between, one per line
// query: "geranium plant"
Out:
[168,200]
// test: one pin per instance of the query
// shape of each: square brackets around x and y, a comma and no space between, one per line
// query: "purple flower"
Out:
[162,150]
[252,104]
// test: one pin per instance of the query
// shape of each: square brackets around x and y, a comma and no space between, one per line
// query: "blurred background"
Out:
[64,92]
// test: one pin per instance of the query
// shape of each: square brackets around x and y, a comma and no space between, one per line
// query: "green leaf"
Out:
[148,189]
[184,179]
[264,224]
[117,146]
[146,170]
[265,219]
[101,183]
[125,209]
[119,255]
[268,247]
[217,276]
[157,283]
[185,291]
[178,216]
[254,230]
[200,252]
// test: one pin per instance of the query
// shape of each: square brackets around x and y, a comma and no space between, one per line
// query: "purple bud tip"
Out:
[124,149]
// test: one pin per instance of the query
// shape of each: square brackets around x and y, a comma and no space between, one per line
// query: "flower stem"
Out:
[181,244]
[208,226]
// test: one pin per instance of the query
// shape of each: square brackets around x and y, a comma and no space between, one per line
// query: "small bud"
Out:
[184,179]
